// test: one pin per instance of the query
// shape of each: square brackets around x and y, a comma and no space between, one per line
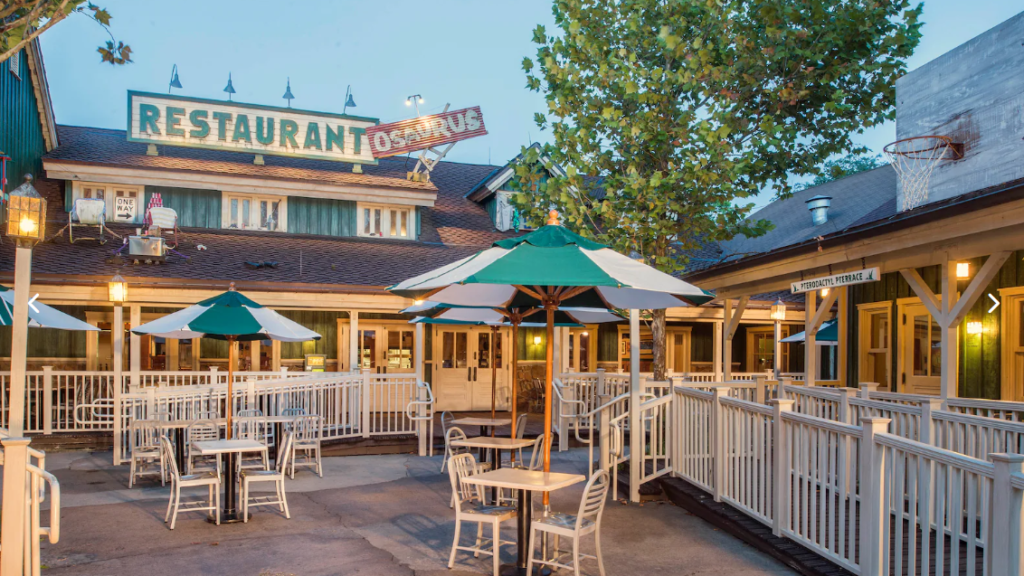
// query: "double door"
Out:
[464,360]
[922,351]
[387,349]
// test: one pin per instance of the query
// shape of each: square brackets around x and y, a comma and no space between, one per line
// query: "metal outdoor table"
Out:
[230,448]
[526,482]
[485,424]
[495,445]
[179,427]
[279,422]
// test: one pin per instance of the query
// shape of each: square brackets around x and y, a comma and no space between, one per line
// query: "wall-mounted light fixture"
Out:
[536,340]
[824,292]
[963,270]
[974,328]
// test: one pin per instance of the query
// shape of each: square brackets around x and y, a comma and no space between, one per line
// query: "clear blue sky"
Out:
[463,52]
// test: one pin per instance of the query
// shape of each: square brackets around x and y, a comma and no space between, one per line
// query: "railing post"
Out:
[874,511]
[759,388]
[603,433]
[844,403]
[364,416]
[783,382]
[780,466]
[284,371]
[48,400]
[601,383]
[718,440]
[1005,552]
[421,425]
[118,364]
[12,516]
[564,423]
[151,402]
[213,376]
[250,393]
[867,389]
[927,431]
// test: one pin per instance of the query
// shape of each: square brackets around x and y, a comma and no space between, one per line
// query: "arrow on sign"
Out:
[995,303]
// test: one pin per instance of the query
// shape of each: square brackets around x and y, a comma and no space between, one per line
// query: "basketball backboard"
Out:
[974,94]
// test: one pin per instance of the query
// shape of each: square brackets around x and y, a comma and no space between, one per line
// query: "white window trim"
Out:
[385,221]
[108,197]
[282,212]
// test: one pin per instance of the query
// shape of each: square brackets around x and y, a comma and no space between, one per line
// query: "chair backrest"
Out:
[455,433]
[251,428]
[446,422]
[202,430]
[307,428]
[91,211]
[172,462]
[520,426]
[249,413]
[163,415]
[293,412]
[538,449]
[145,434]
[594,497]
[162,217]
[462,466]
[208,415]
[284,452]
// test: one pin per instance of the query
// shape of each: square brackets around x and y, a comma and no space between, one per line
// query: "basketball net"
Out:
[914,159]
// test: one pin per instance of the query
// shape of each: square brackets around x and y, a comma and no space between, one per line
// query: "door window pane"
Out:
[448,350]
[584,352]
[921,344]
[497,351]
[461,339]
[936,349]
[483,350]
[368,349]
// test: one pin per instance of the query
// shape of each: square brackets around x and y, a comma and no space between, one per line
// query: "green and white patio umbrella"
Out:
[40,315]
[549,268]
[229,316]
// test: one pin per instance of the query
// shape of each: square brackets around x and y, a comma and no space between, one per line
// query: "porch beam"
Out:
[823,312]
[948,344]
[977,287]
[810,348]
[922,291]
[732,322]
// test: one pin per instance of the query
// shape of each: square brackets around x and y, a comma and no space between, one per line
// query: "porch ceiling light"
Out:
[26,214]
[963,270]
[779,310]
[536,340]
[824,292]
[118,289]
[974,328]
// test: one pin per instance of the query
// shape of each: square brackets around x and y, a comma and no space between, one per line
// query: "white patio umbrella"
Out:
[549,268]
[229,316]
[40,315]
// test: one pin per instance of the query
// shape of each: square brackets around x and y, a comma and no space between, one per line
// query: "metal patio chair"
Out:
[276,476]
[470,507]
[308,431]
[201,431]
[146,456]
[252,428]
[586,521]
[211,480]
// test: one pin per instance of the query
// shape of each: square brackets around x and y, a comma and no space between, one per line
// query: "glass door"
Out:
[453,373]
[368,349]
[399,354]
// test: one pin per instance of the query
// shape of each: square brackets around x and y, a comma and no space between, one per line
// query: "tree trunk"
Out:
[660,344]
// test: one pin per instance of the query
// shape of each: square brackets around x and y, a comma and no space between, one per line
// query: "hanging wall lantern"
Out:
[26,214]
[779,310]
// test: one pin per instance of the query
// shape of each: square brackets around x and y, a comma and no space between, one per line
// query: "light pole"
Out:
[117,290]
[778,315]
[414,99]
[26,224]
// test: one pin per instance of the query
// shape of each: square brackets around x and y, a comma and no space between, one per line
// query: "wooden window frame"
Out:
[254,201]
[385,220]
[109,193]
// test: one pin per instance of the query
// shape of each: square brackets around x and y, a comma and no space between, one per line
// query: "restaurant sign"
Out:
[202,123]
[425,131]
[836,280]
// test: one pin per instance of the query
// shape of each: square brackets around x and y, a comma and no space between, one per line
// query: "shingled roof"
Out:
[453,228]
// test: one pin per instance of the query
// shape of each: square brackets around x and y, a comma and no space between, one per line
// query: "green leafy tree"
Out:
[22,21]
[666,114]
[842,167]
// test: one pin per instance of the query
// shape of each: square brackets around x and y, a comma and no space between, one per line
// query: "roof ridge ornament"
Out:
[288,93]
[553,218]
[230,88]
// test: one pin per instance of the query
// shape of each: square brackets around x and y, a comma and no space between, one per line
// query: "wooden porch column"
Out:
[92,350]
[732,322]
[275,356]
[716,353]
[636,438]
[135,358]
[353,341]
[117,359]
[254,356]
[949,311]
[172,354]
[843,320]
[418,353]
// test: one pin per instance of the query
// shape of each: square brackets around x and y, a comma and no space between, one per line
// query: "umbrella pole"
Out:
[515,378]
[549,308]
[232,358]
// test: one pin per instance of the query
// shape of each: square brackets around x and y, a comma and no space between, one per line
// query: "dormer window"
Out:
[252,212]
[386,221]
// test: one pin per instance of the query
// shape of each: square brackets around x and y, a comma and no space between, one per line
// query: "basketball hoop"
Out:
[914,159]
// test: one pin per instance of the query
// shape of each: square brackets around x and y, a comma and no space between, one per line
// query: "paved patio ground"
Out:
[378,515]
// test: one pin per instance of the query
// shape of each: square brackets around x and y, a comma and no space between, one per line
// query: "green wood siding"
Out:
[21,133]
[195,208]
[980,357]
[321,216]
[324,323]
[702,342]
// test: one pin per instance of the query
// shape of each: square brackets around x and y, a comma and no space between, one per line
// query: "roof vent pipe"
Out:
[819,209]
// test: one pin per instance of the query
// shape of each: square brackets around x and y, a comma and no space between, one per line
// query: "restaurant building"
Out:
[293,207]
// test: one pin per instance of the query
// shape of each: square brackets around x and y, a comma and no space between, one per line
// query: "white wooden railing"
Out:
[25,476]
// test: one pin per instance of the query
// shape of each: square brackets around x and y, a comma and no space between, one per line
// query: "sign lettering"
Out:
[201,123]
[426,131]
[836,280]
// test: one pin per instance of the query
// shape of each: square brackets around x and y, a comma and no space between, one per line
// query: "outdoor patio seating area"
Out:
[389,512]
